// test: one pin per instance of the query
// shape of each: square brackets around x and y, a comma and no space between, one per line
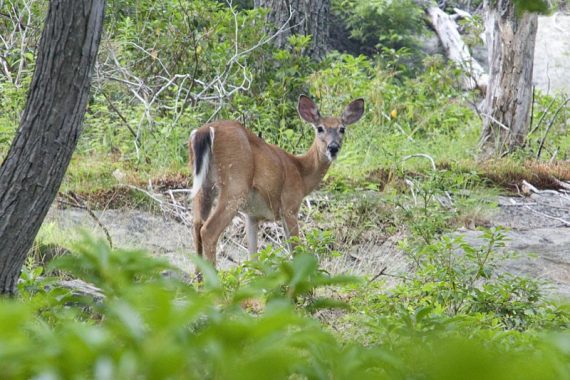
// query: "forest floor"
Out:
[538,230]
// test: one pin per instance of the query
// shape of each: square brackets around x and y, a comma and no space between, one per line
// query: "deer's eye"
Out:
[341,130]
[320,129]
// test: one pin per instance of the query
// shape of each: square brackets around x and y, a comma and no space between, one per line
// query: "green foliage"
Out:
[382,23]
[538,6]
[152,41]
[468,5]
[548,137]
[274,274]
[12,101]
[404,115]
[154,326]
[112,270]
[19,36]
[434,199]
[197,41]
[535,6]
[473,29]
[272,111]
[457,288]
[263,319]
[151,324]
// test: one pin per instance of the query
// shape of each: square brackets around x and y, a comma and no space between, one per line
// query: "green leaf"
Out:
[537,6]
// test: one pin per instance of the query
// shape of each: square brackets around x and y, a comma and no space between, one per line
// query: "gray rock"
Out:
[539,234]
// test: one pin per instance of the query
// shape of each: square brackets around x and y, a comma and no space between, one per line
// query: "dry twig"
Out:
[80,203]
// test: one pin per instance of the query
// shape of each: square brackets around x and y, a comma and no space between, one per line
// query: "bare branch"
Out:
[550,124]
[80,203]
[422,155]
[233,78]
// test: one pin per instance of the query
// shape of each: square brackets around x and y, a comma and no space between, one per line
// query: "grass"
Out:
[94,172]
[510,174]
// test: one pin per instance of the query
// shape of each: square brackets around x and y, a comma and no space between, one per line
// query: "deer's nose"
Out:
[333,149]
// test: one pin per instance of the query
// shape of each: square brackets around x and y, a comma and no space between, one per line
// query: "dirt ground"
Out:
[170,239]
[538,229]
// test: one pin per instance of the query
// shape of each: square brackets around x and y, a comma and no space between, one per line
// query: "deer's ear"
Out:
[308,110]
[353,112]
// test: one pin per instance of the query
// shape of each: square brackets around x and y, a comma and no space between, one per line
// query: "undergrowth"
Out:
[453,318]
[409,168]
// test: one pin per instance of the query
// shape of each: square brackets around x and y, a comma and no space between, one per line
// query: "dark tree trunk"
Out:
[310,17]
[32,172]
[510,40]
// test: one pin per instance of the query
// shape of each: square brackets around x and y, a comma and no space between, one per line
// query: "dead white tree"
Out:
[445,26]
[511,37]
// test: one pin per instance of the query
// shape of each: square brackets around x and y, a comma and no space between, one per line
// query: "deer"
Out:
[235,170]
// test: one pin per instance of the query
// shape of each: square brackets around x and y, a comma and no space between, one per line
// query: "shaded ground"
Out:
[165,237]
[162,236]
[539,224]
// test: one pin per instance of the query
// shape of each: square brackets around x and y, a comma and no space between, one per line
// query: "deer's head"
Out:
[329,130]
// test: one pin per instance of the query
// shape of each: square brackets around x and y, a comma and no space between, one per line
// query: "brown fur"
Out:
[262,180]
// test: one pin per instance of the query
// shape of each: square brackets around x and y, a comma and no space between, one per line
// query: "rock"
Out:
[163,237]
[552,53]
[538,234]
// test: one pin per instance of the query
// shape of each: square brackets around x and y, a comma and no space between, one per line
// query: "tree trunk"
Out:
[310,17]
[32,172]
[506,112]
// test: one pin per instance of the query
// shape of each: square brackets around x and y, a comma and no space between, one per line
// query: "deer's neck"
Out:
[314,166]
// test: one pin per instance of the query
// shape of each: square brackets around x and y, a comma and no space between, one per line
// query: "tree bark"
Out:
[310,17]
[33,170]
[506,111]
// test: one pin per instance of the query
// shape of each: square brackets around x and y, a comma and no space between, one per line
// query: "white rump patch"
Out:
[199,178]
[212,135]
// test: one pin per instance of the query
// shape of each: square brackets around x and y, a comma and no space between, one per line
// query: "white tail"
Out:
[244,173]
[202,146]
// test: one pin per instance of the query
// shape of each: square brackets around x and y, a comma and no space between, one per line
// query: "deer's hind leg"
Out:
[202,207]
[220,218]
[233,164]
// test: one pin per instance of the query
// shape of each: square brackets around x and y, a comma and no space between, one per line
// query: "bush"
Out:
[383,24]
[251,324]
[457,289]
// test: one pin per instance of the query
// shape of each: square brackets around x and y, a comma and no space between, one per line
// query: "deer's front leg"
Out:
[251,224]
[291,228]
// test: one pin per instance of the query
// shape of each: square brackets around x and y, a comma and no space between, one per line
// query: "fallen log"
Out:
[456,50]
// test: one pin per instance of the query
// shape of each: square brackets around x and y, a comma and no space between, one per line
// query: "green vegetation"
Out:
[381,24]
[454,316]
[258,321]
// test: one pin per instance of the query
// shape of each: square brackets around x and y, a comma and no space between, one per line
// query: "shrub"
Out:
[149,323]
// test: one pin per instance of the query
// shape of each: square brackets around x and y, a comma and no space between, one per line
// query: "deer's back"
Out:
[244,161]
